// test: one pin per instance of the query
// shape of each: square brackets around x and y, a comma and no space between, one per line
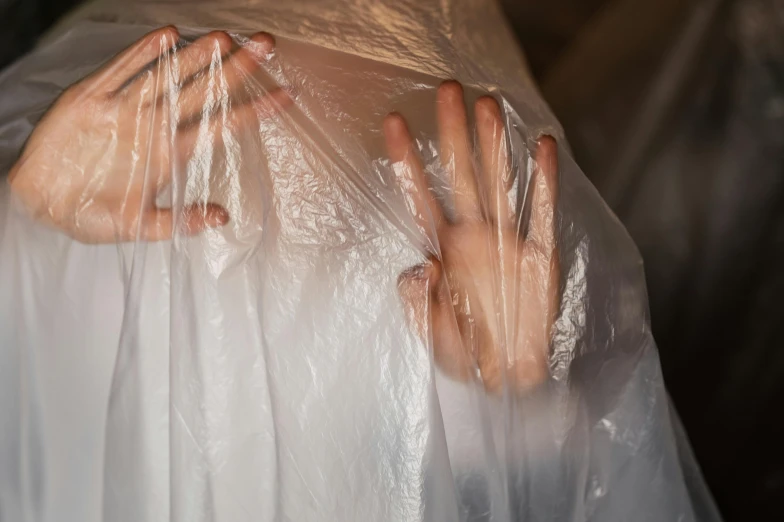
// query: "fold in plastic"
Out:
[228,295]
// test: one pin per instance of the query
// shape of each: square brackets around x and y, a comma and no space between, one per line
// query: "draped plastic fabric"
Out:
[268,369]
[700,190]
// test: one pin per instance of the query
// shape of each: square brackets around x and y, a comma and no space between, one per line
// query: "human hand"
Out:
[491,286]
[95,164]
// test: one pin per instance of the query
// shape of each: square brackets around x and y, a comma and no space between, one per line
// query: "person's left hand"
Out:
[491,288]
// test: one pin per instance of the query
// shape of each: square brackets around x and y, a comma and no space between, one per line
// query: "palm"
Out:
[95,164]
[489,293]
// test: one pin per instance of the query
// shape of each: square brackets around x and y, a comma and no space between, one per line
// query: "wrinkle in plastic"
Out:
[302,278]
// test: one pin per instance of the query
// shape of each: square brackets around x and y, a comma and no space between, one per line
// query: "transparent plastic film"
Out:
[314,269]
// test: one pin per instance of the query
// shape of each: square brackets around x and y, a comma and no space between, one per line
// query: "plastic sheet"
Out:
[700,190]
[248,278]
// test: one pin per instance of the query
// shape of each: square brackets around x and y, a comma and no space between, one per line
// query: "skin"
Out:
[492,294]
[106,191]
[486,297]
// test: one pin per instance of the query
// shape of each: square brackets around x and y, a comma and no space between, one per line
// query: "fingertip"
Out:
[157,41]
[527,375]
[171,29]
[397,136]
[263,37]
[215,215]
[487,109]
[394,121]
[222,39]
[168,34]
[429,272]
[202,216]
[263,44]
[450,91]
[547,143]
[547,154]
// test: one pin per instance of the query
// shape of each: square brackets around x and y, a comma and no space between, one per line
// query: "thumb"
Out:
[427,303]
[158,223]
[414,286]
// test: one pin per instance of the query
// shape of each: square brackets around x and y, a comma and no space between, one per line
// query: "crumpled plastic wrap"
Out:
[297,278]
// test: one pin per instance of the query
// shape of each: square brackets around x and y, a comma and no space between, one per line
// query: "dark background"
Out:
[675,111]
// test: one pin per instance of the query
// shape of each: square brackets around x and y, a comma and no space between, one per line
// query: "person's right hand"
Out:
[96,162]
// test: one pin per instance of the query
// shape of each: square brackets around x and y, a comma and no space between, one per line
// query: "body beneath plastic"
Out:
[268,369]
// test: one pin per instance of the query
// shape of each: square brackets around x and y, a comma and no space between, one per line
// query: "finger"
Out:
[495,158]
[414,288]
[235,120]
[456,149]
[210,48]
[520,370]
[158,224]
[223,82]
[451,350]
[428,305]
[544,190]
[527,373]
[410,174]
[123,69]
